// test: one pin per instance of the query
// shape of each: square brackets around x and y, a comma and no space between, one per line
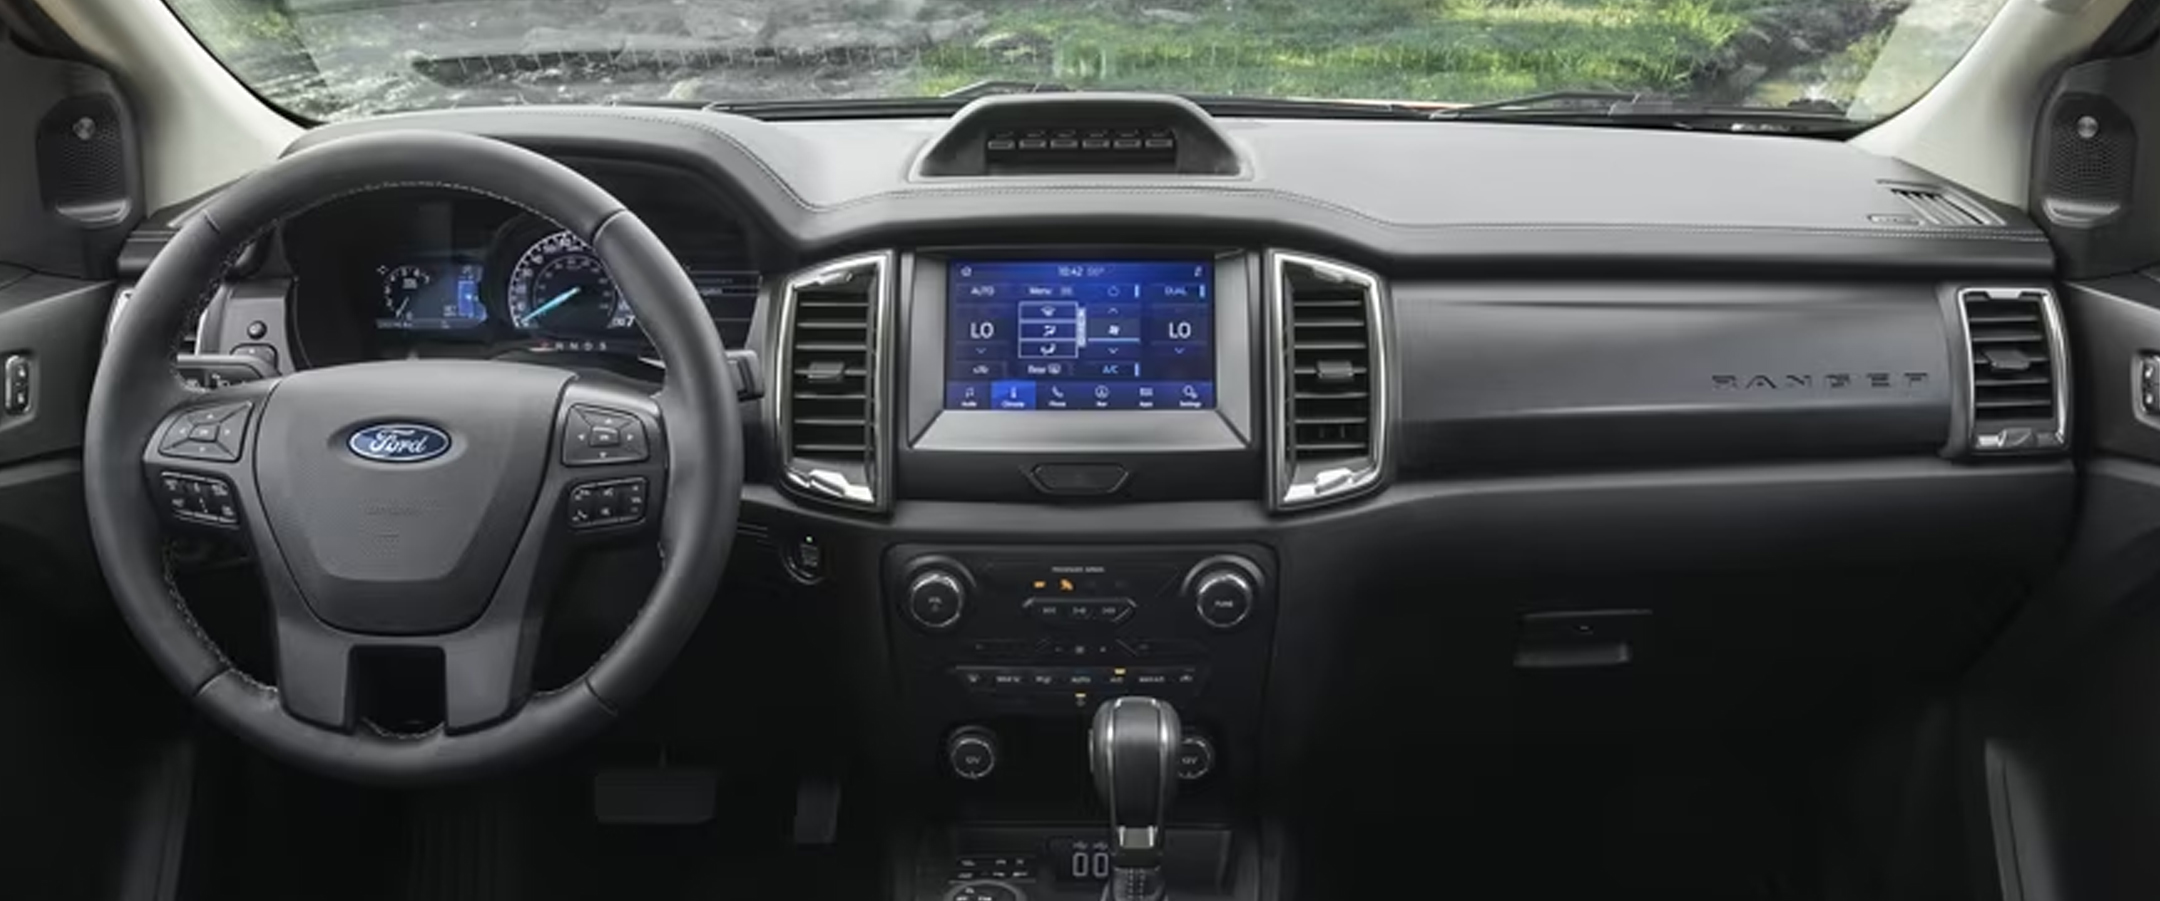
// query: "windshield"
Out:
[336,59]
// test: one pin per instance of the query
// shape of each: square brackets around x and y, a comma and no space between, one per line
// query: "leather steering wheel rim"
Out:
[136,386]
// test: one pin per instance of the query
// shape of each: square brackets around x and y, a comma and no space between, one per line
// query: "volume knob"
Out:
[936,599]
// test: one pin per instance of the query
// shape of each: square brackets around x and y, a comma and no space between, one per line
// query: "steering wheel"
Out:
[414,507]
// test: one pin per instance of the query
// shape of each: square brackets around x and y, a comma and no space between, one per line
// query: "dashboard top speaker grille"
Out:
[1942,208]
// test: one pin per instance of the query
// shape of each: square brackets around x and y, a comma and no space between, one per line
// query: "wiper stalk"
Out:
[1638,109]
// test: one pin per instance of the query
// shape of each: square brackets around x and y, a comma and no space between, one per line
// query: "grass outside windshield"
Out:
[334,59]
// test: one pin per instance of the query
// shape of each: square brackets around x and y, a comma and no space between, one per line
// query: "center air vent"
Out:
[831,369]
[1329,379]
[2018,402]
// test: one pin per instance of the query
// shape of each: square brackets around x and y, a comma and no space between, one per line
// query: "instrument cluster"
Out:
[445,275]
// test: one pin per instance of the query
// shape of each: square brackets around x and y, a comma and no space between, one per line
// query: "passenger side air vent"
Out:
[1329,377]
[832,365]
[1937,207]
[2018,401]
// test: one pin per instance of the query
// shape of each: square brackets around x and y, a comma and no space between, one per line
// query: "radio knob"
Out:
[936,599]
[1223,594]
[972,752]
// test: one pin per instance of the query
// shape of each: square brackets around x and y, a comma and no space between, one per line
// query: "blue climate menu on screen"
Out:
[1083,335]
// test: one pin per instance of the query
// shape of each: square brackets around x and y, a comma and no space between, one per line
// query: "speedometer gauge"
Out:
[558,287]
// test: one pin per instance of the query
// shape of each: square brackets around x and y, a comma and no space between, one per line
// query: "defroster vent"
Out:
[832,407]
[1329,378]
[2018,400]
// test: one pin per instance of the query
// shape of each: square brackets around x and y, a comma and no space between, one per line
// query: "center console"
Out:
[1041,386]
[1064,379]
[1006,653]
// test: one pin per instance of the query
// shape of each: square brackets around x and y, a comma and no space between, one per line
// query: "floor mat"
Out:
[1577,820]
[287,835]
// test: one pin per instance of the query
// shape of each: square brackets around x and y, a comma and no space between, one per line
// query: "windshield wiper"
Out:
[950,103]
[999,87]
[1614,108]
[1260,107]
[816,108]
[1549,101]
[1218,104]
[1628,108]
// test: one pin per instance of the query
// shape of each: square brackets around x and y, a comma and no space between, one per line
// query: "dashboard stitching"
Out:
[788,189]
[1703,228]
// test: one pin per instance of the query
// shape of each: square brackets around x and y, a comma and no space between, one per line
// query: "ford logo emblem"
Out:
[399,442]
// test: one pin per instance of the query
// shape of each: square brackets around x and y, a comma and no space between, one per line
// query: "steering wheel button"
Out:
[203,432]
[199,499]
[202,450]
[596,504]
[595,436]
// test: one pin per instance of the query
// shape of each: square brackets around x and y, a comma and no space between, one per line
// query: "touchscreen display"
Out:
[1081,335]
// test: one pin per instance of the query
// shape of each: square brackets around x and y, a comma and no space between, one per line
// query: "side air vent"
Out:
[2019,400]
[1943,209]
[835,351]
[1329,378]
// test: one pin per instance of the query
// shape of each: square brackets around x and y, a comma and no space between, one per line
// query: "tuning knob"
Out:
[936,598]
[1224,591]
[971,752]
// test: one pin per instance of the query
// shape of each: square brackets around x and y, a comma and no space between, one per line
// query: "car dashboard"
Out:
[1484,425]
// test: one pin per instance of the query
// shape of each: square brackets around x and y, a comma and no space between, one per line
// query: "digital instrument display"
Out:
[1081,335]
[431,295]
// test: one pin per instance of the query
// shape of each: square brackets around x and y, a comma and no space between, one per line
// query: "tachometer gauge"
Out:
[558,287]
[400,288]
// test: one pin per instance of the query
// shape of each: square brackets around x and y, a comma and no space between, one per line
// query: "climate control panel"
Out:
[1049,630]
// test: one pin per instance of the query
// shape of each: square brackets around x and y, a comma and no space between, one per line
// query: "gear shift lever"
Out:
[1132,752]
